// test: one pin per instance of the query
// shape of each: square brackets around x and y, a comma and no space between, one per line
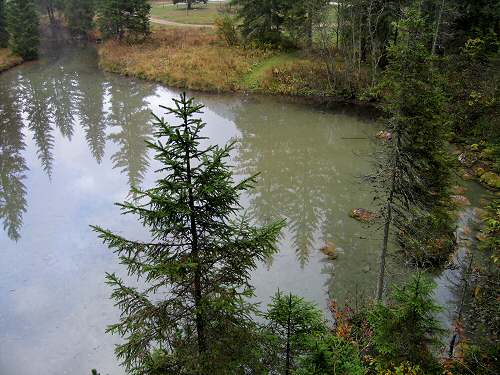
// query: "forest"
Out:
[428,69]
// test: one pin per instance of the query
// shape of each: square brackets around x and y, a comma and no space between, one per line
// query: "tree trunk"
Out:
[436,32]
[458,318]
[383,254]
[387,227]
[309,30]
[200,322]
[338,24]
[50,13]
[288,334]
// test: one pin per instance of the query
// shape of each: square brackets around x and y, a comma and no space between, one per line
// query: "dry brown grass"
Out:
[182,57]
[308,76]
[196,59]
[8,60]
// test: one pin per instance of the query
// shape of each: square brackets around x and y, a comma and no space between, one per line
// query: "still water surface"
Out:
[72,143]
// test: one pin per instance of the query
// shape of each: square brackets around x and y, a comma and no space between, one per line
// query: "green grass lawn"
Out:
[201,14]
[252,80]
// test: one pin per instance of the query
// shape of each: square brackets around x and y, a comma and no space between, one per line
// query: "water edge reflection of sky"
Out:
[71,144]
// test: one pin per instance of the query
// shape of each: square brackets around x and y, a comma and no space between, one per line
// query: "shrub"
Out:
[226,29]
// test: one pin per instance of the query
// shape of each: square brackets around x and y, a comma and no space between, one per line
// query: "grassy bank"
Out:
[181,57]
[196,59]
[8,60]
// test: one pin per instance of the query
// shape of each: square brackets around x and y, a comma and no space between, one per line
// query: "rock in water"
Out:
[480,236]
[362,214]
[467,159]
[457,189]
[480,213]
[460,200]
[384,135]
[467,176]
[329,250]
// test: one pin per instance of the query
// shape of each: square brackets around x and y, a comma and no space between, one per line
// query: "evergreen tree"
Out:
[4,35]
[407,329]
[22,26]
[120,18]
[416,99]
[413,174]
[262,19]
[329,354]
[196,264]
[301,18]
[80,15]
[294,322]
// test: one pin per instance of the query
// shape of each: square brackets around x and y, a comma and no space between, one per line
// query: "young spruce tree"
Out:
[294,322]
[120,18]
[407,328]
[196,264]
[22,26]
[413,173]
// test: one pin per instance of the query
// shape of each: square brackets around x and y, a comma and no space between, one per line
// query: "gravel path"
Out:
[172,23]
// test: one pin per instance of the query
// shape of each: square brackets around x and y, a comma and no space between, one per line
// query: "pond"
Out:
[72,144]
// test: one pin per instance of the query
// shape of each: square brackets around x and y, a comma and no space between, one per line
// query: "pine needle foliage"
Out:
[406,329]
[197,265]
[412,173]
[22,26]
[294,322]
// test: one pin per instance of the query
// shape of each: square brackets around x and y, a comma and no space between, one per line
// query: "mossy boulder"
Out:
[474,147]
[478,170]
[491,179]
[487,154]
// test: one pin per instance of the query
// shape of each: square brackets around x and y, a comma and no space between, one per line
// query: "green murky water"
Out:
[71,144]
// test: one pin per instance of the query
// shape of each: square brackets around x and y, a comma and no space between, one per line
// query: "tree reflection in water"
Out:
[60,94]
[309,175]
[12,163]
